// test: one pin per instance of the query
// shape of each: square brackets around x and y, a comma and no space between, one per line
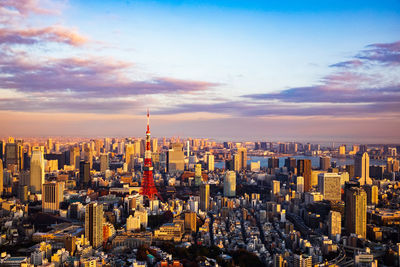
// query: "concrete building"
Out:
[329,186]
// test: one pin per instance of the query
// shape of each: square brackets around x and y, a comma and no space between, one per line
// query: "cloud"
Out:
[386,53]
[363,86]
[321,94]
[89,77]
[261,109]
[57,34]
[348,64]
[69,104]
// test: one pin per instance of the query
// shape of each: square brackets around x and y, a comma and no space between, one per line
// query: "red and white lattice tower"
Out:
[148,188]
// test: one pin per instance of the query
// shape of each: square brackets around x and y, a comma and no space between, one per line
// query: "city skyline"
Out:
[316,72]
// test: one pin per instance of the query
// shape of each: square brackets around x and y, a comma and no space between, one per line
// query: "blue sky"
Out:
[221,63]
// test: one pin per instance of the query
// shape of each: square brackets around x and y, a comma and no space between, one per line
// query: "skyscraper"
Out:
[342,150]
[329,186]
[197,175]
[1,150]
[175,158]
[190,221]
[273,162]
[276,187]
[204,197]
[84,173]
[210,162]
[361,168]
[356,211]
[1,177]
[230,184]
[88,155]
[240,159]
[37,170]
[104,164]
[372,194]
[129,155]
[74,155]
[154,145]
[53,195]
[300,184]
[94,224]
[324,163]
[290,163]
[304,169]
[334,224]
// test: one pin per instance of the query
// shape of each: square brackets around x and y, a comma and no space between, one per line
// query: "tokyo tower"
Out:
[148,188]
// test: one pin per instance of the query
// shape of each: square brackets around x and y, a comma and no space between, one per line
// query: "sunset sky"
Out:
[323,71]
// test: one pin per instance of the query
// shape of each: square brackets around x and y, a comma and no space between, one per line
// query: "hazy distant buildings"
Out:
[392,165]
[37,170]
[230,184]
[52,196]
[304,169]
[342,150]
[94,224]
[361,168]
[356,211]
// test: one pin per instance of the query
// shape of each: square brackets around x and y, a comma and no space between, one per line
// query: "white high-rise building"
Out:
[37,170]
[230,184]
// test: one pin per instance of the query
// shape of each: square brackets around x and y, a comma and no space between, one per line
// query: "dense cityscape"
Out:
[197,202]
[193,133]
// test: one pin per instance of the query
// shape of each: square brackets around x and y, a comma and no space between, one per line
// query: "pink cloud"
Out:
[50,34]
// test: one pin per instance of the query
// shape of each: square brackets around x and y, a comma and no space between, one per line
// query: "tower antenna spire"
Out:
[148,120]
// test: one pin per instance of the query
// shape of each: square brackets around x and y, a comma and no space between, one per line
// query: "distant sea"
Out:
[314,161]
